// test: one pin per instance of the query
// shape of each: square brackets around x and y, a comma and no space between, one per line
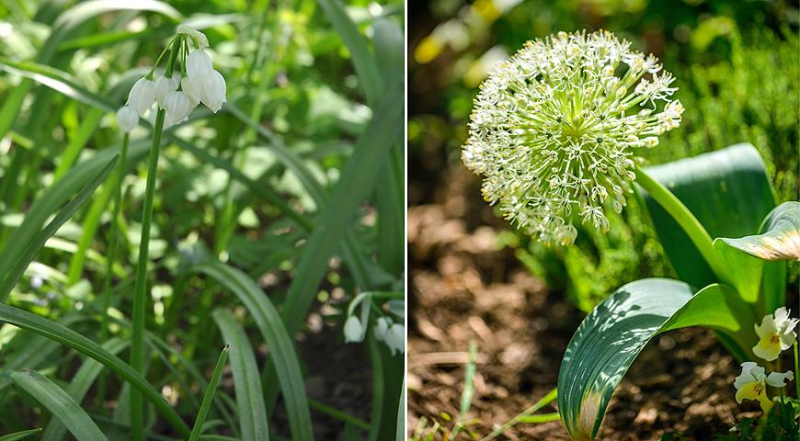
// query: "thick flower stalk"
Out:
[555,128]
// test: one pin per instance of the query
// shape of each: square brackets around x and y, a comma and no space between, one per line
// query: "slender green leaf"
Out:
[209,396]
[246,381]
[277,339]
[363,61]
[27,255]
[19,435]
[79,386]
[59,404]
[729,193]
[612,336]
[54,331]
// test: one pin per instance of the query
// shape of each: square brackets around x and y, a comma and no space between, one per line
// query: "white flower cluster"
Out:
[393,334]
[553,129]
[776,334]
[197,82]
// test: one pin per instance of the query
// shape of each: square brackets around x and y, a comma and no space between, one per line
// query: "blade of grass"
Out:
[25,258]
[54,331]
[469,389]
[79,386]
[277,339]
[547,399]
[76,144]
[17,436]
[209,396]
[59,404]
[246,382]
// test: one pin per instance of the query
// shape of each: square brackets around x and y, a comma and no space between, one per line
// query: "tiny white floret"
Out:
[164,86]
[178,106]
[127,118]
[198,64]
[353,331]
[142,95]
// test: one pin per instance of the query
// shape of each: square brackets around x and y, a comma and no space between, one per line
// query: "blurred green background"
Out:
[737,65]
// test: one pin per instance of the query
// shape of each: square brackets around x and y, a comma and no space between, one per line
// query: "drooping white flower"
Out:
[164,86]
[178,106]
[214,92]
[776,333]
[127,118]
[395,338]
[198,64]
[554,129]
[751,384]
[199,37]
[382,327]
[353,331]
[142,95]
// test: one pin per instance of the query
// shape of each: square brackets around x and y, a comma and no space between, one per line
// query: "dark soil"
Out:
[463,288]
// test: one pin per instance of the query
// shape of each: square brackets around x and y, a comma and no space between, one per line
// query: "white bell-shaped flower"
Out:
[382,328]
[193,87]
[395,338]
[198,64]
[213,94]
[199,37]
[178,106]
[164,86]
[353,331]
[142,95]
[127,118]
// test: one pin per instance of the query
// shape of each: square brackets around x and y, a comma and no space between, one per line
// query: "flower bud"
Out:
[164,86]
[127,119]
[178,106]
[353,330]
[142,95]
[198,64]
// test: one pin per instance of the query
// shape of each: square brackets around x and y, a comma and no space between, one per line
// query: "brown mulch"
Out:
[463,288]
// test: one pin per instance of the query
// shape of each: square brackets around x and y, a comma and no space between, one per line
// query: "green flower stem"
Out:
[111,253]
[690,225]
[796,371]
[140,291]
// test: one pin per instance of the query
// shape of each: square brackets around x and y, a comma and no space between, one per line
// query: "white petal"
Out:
[781,316]
[178,106]
[778,379]
[395,338]
[200,38]
[142,95]
[198,63]
[353,330]
[164,86]
[213,94]
[767,327]
[746,376]
[127,119]
[193,87]
[382,327]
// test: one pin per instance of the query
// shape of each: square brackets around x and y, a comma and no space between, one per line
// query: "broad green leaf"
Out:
[197,430]
[246,382]
[612,336]
[79,386]
[17,436]
[278,341]
[59,404]
[779,238]
[729,193]
[29,252]
[54,331]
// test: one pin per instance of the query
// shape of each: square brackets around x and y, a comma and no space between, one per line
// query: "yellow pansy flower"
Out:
[776,333]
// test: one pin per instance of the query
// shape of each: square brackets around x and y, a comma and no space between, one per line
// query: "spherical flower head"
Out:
[127,119]
[776,333]
[554,129]
[751,384]
[353,331]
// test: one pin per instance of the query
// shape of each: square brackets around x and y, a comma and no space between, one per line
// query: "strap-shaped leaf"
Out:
[612,336]
[729,193]
[60,404]
[17,436]
[779,238]
[246,381]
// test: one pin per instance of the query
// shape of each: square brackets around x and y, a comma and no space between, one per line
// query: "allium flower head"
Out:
[555,127]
